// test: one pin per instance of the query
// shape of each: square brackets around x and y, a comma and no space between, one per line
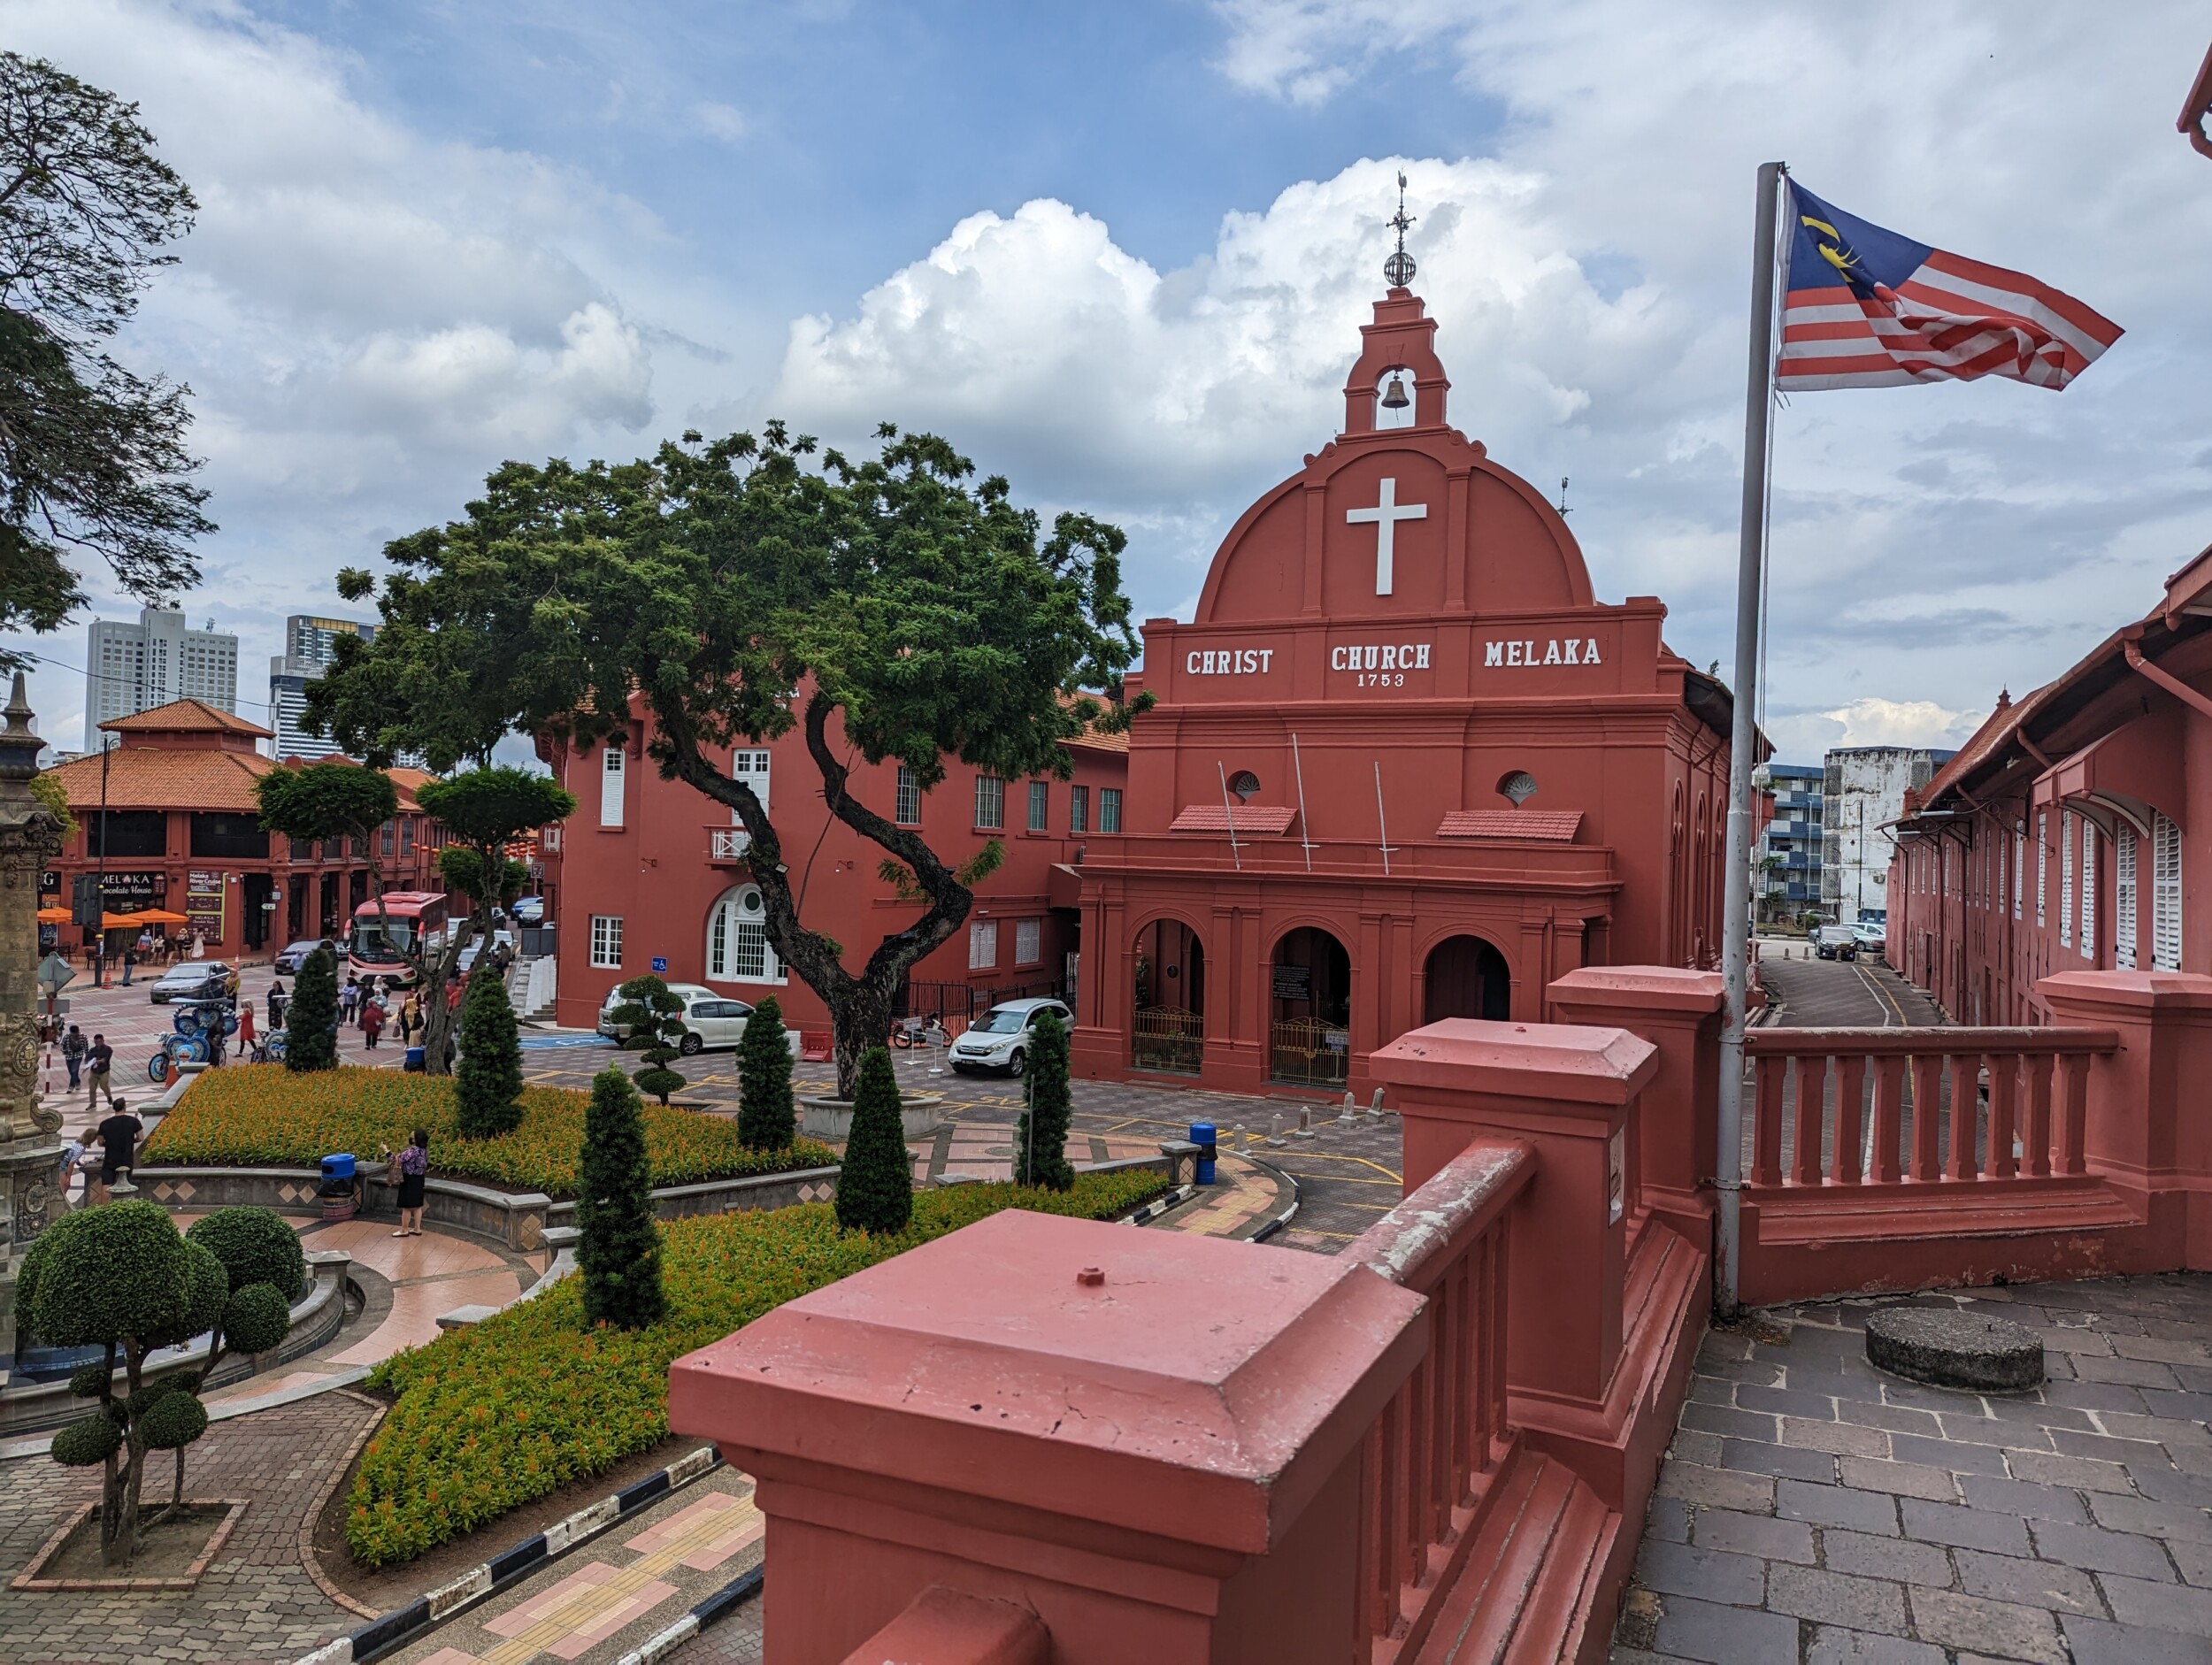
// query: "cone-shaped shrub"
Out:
[620,1250]
[1040,1141]
[488,1086]
[875,1187]
[765,1117]
[311,1023]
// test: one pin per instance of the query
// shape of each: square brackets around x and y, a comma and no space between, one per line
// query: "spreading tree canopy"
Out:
[92,455]
[729,592]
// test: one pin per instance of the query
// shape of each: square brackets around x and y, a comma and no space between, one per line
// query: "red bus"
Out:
[387,929]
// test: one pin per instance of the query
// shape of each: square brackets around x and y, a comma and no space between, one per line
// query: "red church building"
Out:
[1404,765]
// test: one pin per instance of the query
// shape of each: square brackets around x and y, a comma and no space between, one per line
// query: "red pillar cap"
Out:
[1666,986]
[2129,990]
[1576,1063]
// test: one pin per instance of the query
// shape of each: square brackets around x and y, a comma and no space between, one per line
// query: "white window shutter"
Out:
[612,767]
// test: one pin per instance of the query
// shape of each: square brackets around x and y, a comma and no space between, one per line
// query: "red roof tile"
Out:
[156,777]
[1555,827]
[184,717]
[1266,819]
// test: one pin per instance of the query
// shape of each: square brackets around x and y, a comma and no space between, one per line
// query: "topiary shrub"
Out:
[875,1187]
[1040,1141]
[619,1252]
[255,1318]
[487,1086]
[311,1023]
[255,1247]
[87,1444]
[653,1013]
[765,1118]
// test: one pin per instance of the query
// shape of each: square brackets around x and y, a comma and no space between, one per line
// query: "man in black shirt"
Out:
[119,1143]
[98,1060]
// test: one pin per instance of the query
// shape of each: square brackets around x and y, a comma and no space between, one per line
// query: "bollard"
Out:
[1375,1108]
[1305,1122]
[1202,1134]
[1275,1127]
[1349,1115]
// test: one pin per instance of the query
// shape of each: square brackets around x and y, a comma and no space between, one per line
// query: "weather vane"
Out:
[1399,268]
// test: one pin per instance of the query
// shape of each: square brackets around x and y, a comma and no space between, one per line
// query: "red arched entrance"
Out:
[1466,977]
[1310,1039]
[1168,1027]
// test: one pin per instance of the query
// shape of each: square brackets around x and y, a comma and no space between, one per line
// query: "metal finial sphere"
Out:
[1399,269]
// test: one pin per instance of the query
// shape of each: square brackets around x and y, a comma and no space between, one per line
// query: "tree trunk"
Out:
[437,1015]
[122,1544]
[111,1479]
[860,1016]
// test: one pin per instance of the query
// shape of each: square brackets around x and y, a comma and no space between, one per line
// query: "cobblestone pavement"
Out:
[254,1602]
[597,1603]
[1812,1507]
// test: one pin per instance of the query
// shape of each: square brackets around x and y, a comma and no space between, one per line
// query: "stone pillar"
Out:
[1679,1012]
[1152,1441]
[30,1155]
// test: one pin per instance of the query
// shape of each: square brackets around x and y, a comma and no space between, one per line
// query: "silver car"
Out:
[1000,1039]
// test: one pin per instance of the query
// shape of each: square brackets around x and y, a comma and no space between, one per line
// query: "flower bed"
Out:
[264,1115]
[489,1417]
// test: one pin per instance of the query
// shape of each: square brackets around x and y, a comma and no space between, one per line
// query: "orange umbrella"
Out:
[54,916]
[160,917]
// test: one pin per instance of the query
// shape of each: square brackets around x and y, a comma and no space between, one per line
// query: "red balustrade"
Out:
[1432,1457]
[1872,1106]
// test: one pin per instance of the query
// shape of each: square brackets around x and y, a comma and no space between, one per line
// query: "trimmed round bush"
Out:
[117,1269]
[174,1420]
[86,1382]
[255,1247]
[256,1319]
[84,1445]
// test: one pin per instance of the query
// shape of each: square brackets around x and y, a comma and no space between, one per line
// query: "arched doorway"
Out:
[1466,977]
[1168,1025]
[1309,986]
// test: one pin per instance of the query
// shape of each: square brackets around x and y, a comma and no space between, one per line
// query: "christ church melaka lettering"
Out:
[1380,664]
[1571,651]
[1229,662]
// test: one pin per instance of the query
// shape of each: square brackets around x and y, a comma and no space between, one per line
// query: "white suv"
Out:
[1000,1039]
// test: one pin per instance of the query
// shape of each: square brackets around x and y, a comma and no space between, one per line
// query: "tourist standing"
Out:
[118,1145]
[372,1022]
[277,1003]
[414,1173]
[73,1051]
[348,999]
[101,1057]
[130,962]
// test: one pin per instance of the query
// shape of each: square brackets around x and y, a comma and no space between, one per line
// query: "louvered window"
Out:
[2066,878]
[2123,897]
[2165,895]
[2042,864]
[2088,888]
[2019,867]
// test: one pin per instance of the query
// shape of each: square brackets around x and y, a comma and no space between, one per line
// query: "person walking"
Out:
[73,1051]
[373,1023]
[414,1173]
[118,1145]
[349,998]
[101,1057]
[277,1004]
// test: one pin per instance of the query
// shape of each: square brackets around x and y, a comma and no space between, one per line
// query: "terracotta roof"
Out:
[158,777]
[410,781]
[1553,826]
[1096,742]
[1996,729]
[185,716]
[1262,818]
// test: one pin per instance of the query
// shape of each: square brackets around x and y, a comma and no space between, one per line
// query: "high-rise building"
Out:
[133,667]
[310,647]
[1866,788]
[1790,845]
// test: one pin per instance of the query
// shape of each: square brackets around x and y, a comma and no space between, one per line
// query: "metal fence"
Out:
[962,1002]
[1307,1052]
[1167,1038]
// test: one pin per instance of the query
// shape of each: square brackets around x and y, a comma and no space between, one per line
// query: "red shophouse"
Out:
[2058,839]
[1404,766]
[651,876]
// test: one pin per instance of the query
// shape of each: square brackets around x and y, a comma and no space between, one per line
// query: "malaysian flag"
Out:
[1867,308]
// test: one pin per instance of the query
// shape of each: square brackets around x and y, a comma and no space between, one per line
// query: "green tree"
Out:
[266,1272]
[1040,1139]
[652,1015]
[724,593]
[337,800]
[120,1278]
[488,1086]
[766,1120]
[482,810]
[875,1185]
[619,1252]
[54,796]
[311,1023]
[92,456]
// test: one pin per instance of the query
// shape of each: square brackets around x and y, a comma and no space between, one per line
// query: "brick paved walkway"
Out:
[1814,1509]
[254,1602]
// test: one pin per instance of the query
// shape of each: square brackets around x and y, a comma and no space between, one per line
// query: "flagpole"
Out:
[1744,738]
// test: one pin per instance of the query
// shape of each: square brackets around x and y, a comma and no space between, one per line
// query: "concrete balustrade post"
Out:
[1571,1092]
[1151,1442]
[1679,1012]
[2144,1129]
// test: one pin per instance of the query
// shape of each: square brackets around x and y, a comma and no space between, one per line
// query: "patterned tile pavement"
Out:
[254,1602]
[1813,1508]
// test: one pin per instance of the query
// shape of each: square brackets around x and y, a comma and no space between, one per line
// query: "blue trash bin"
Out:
[339,1167]
[1202,1134]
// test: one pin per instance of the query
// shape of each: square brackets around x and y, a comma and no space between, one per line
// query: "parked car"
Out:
[196,979]
[295,955]
[466,961]
[1000,1039]
[711,1019]
[529,911]
[1873,935]
[1836,942]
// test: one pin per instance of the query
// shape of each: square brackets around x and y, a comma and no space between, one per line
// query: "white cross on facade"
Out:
[1385,517]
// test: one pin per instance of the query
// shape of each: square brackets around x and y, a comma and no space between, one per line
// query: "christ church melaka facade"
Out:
[1402,766]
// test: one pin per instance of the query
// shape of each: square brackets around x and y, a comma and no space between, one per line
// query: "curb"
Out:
[1160,1205]
[713,1610]
[487,1578]
[1297,1195]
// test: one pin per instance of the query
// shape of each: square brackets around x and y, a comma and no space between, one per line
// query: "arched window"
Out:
[1246,784]
[738,949]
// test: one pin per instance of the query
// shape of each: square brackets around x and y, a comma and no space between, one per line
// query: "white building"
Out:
[1862,798]
[133,667]
[310,646]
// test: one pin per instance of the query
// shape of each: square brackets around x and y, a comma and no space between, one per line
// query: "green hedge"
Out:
[250,1115]
[490,1417]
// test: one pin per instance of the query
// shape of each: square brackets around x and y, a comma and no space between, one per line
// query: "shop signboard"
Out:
[203,903]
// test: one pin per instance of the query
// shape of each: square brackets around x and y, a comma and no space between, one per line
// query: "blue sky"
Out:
[1120,253]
